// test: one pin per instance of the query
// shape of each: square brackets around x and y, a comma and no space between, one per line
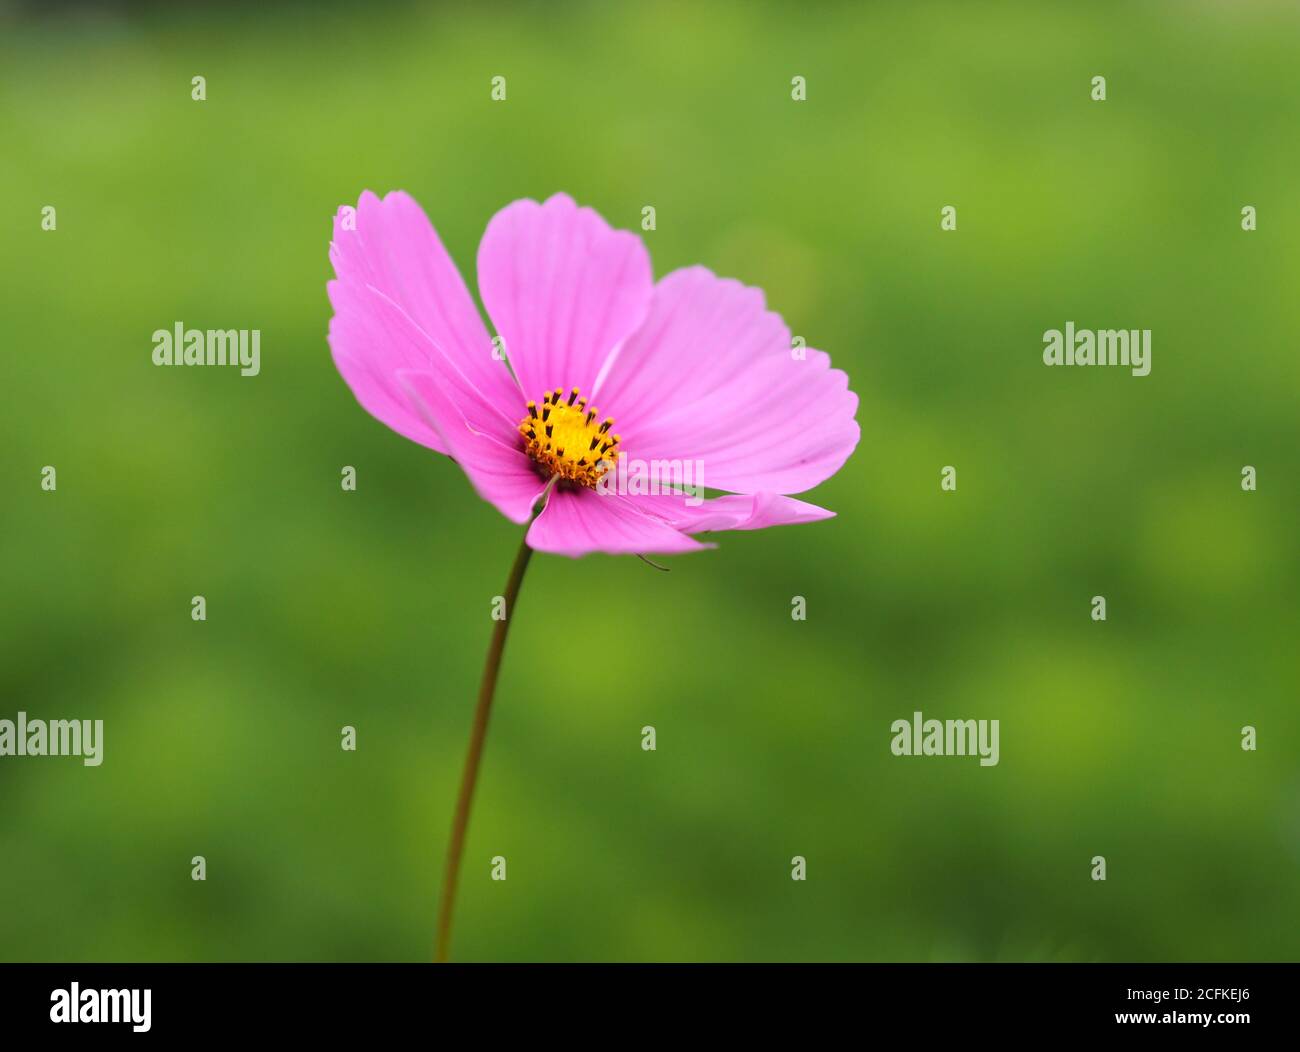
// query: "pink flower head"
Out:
[691,374]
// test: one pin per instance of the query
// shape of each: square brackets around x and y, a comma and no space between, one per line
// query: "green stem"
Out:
[477,735]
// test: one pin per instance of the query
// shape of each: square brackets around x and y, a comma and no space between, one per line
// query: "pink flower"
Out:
[694,370]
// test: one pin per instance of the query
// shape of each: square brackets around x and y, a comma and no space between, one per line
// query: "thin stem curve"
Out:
[478,733]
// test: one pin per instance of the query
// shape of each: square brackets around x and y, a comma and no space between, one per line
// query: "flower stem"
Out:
[477,735]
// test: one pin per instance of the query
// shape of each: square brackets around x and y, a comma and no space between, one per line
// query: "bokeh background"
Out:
[328,608]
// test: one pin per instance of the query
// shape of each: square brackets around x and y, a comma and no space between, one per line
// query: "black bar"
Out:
[215,1001]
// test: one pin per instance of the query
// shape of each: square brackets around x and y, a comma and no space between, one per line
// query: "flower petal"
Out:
[577,522]
[501,473]
[710,377]
[563,290]
[388,245]
[373,339]
[359,348]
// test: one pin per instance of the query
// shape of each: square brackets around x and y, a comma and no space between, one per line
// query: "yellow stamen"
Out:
[564,439]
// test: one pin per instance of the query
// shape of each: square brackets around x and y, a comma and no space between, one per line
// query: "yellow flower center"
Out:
[565,440]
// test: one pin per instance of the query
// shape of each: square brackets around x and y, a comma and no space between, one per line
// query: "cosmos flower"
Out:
[691,370]
[600,363]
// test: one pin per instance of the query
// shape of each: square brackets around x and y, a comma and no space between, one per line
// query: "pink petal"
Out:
[563,290]
[357,346]
[373,340]
[710,376]
[577,522]
[392,364]
[500,472]
[734,511]
[395,252]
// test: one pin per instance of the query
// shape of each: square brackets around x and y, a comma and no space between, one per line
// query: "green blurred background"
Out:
[328,608]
